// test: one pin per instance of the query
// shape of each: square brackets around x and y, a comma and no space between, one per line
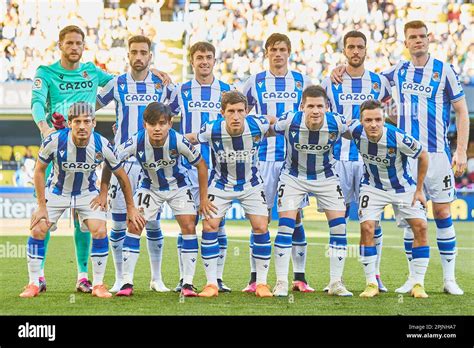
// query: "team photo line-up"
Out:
[277,137]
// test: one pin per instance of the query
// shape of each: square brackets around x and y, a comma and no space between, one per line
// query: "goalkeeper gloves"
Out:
[59,122]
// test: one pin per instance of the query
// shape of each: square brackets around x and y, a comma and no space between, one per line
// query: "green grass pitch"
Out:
[60,299]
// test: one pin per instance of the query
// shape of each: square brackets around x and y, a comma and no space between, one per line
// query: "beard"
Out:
[356,65]
[74,60]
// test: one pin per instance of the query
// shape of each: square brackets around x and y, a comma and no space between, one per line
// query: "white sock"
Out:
[282,248]
[99,255]
[262,252]
[368,257]
[446,239]
[179,249]
[378,239]
[408,238]
[337,248]
[299,249]
[189,254]
[253,267]
[131,252]
[117,237]
[155,242]
[210,254]
[222,239]
[421,258]
[35,254]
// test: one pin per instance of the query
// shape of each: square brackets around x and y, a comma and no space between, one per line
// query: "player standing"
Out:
[132,92]
[75,153]
[310,135]
[387,180]
[158,149]
[358,85]
[426,89]
[55,88]
[234,142]
[272,93]
[199,101]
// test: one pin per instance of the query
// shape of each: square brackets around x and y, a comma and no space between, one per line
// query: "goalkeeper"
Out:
[55,88]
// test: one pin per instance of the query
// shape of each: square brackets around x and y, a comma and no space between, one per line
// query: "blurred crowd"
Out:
[238,29]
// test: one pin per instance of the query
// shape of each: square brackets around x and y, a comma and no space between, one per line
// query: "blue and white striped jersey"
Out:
[274,96]
[74,167]
[131,99]
[197,105]
[162,166]
[309,153]
[235,157]
[346,98]
[424,96]
[386,164]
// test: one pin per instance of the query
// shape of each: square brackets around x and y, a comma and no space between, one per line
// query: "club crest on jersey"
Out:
[256,138]
[99,157]
[85,75]
[299,85]
[436,76]
[391,151]
[173,153]
[37,84]
[376,87]
[158,86]
[332,136]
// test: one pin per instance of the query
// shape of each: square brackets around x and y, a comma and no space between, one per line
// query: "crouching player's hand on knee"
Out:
[100,201]
[39,214]
[206,207]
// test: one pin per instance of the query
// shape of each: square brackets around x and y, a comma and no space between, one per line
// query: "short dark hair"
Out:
[201,46]
[233,97]
[80,108]
[414,25]
[154,111]
[275,38]
[70,29]
[139,39]
[370,104]
[354,33]
[314,92]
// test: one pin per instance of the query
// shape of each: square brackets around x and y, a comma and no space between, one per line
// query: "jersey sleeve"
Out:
[39,94]
[103,76]
[247,90]
[127,149]
[110,157]
[307,81]
[48,148]
[281,125]
[453,89]
[341,123]
[167,93]
[106,94]
[355,128]
[389,74]
[189,151]
[204,135]
[261,122]
[408,145]
[174,102]
[385,89]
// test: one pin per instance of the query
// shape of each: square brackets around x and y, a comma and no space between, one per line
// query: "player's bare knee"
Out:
[39,231]
[420,231]
[188,227]
[134,230]
[367,232]
[441,210]
[260,229]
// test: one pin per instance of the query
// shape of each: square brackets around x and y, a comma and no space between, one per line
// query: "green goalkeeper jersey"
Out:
[55,88]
